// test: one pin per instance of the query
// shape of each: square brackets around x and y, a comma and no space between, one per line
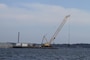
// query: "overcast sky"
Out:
[35,18]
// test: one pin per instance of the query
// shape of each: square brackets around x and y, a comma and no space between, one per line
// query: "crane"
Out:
[44,38]
[48,44]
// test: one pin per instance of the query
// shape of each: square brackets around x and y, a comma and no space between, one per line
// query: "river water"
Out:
[44,54]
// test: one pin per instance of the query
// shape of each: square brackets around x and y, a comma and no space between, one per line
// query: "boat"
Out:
[34,46]
[48,44]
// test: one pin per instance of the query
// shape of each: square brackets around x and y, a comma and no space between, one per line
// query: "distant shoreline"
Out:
[78,45]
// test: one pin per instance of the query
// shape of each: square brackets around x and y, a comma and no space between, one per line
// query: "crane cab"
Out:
[46,45]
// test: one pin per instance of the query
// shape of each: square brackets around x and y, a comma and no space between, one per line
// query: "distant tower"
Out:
[18,36]
[69,33]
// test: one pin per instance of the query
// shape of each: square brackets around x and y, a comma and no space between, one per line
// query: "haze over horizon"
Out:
[35,18]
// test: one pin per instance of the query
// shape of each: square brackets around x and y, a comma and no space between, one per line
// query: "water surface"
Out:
[44,54]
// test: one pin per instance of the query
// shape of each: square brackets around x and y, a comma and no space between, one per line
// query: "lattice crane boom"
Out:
[48,43]
[59,29]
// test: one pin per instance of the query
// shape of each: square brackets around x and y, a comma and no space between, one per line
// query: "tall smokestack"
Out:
[18,36]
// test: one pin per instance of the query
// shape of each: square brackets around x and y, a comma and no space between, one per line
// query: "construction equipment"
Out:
[44,38]
[48,44]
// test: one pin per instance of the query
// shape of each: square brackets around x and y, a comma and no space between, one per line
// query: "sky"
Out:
[36,18]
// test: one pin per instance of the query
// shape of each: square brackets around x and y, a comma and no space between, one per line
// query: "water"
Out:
[45,54]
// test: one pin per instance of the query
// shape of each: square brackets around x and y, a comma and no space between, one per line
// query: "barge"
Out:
[48,44]
[29,45]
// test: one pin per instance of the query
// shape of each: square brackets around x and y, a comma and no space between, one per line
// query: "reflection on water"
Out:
[45,54]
